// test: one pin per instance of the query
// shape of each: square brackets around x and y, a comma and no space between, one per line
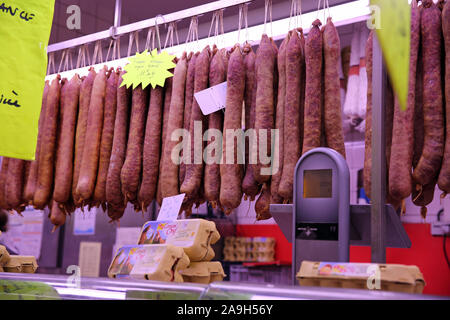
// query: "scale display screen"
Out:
[317,183]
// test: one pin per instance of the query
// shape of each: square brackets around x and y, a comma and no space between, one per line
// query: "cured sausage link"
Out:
[313,89]
[83,114]
[114,195]
[107,138]
[400,178]
[46,166]
[30,186]
[131,170]
[332,106]
[250,186]
[433,149]
[152,145]
[211,182]
[91,151]
[265,66]
[170,169]
[230,171]
[444,175]
[64,156]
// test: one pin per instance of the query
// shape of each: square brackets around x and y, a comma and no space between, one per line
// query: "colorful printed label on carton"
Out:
[148,259]
[137,261]
[346,269]
[123,262]
[155,232]
[179,233]
[185,233]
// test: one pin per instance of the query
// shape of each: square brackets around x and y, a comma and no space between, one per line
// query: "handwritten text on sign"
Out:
[170,208]
[5,100]
[148,68]
[22,14]
[24,31]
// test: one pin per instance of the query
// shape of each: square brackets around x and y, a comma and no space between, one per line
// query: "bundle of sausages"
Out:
[418,148]
[103,145]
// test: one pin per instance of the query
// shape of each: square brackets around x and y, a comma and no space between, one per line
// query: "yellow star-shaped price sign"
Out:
[394,35]
[148,68]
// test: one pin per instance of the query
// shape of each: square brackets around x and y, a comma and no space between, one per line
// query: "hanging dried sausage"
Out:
[30,186]
[83,113]
[109,117]
[313,88]
[332,87]
[231,171]
[152,144]
[211,181]
[194,171]
[91,152]
[250,186]
[64,155]
[131,170]
[114,195]
[46,166]
[279,118]
[444,175]
[433,149]
[170,168]
[265,66]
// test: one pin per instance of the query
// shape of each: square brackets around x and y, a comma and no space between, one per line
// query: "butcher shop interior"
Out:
[225,150]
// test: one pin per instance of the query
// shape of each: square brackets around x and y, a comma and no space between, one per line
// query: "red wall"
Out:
[426,252]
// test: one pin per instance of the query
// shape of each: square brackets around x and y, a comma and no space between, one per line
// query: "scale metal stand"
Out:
[321,224]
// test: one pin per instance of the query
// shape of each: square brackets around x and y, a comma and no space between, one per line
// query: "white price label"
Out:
[212,99]
[170,208]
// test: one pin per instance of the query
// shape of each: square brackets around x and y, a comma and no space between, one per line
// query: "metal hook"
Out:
[157,29]
[113,33]
[159,16]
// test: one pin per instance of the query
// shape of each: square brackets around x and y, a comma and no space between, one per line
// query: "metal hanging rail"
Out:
[343,14]
[118,30]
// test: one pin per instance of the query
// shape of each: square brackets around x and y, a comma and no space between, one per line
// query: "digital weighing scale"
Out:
[321,224]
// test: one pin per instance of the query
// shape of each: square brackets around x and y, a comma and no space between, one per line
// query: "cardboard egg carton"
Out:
[264,256]
[4,256]
[158,262]
[203,272]
[256,249]
[390,277]
[263,244]
[195,236]
[21,264]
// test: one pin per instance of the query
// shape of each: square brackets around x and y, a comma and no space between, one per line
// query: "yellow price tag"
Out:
[148,68]
[394,36]
[24,31]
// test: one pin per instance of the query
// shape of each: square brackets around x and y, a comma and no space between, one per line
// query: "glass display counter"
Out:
[19,286]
